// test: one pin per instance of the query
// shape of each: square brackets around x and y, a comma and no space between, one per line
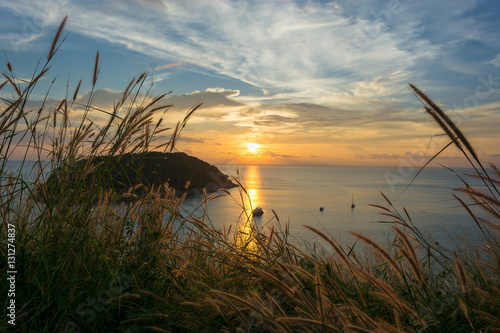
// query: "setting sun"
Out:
[252,147]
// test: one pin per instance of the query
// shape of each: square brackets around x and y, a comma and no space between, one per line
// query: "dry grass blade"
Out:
[96,69]
[319,295]
[292,276]
[495,169]
[226,298]
[75,94]
[56,38]
[445,128]
[386,199]
[415,265]
[409,247]
[474,193]
[447,120]
[380,250]
[234,298]
[461,275]
[332,243]
[381,285]
[13,84]
[396,217]
[135,320]
[124,296]
[352,328]
[408,215]
[37,78]
[381,207]
[142,77]
[482,177]
[296,321]
[279,282]
[157,329]
[275,215]
[470,213]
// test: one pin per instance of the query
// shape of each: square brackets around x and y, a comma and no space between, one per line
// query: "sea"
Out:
[292,197]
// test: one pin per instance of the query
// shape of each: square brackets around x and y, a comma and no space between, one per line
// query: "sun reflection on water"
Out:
[246,236]
[254,196]
[252,183]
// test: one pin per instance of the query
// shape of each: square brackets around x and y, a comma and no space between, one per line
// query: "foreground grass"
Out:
[141,266]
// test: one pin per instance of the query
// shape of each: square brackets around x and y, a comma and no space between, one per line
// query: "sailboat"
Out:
[352,202]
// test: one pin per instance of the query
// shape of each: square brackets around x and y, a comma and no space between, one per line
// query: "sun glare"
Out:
[252,147]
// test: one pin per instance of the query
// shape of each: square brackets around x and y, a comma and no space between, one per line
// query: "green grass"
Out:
[87,266]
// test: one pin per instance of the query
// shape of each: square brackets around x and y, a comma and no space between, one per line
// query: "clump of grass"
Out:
[88,265]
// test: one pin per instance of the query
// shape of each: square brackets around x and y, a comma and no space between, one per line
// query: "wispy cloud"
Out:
[175,64]
[312,48]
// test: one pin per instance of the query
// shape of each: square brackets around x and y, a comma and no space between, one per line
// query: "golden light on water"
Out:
[254,196]
[253,183]
[246,238]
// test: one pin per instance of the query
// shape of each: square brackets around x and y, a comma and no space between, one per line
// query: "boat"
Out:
[258,211]
[352,202]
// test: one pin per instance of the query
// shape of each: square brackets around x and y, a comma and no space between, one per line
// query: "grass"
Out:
[141,266]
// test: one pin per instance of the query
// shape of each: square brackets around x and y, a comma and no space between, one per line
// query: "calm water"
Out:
[296,193]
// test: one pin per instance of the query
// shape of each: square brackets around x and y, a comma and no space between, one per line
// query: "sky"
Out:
[282,82]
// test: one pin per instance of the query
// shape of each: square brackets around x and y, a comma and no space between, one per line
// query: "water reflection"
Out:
[253,182]
[245,237]
[254,196]
[246,228]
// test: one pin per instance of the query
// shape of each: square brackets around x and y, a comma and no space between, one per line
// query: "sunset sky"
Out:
[282,82]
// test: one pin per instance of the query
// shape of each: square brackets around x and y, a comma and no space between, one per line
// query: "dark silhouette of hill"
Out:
[182,172]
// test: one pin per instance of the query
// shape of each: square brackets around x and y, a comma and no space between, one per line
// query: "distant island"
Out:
[139,171]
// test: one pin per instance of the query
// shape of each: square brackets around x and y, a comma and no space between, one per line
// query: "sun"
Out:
[252,147]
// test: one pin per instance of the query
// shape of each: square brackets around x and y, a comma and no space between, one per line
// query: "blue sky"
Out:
[318,82]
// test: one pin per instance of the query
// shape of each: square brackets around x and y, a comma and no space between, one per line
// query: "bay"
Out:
[295,194]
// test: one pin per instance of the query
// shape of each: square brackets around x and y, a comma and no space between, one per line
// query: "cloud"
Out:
[496,61]
[175,64]
[257,44]
[272,120]
[103,98]
[211,98]
[384,156]
[191,140]
[271,154]
[217,102]
[307,50]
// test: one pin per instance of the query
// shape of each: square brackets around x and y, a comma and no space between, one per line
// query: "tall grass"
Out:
[87,265]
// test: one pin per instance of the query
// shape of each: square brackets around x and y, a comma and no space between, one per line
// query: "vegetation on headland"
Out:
[129,176]
[86,265]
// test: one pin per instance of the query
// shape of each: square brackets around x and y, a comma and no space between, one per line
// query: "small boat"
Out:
[321,209]
[352,202]
[258,211]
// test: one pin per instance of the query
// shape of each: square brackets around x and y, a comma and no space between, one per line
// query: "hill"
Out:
[182,172]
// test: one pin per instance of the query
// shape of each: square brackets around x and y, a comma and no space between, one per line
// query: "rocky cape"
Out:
[131,175]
